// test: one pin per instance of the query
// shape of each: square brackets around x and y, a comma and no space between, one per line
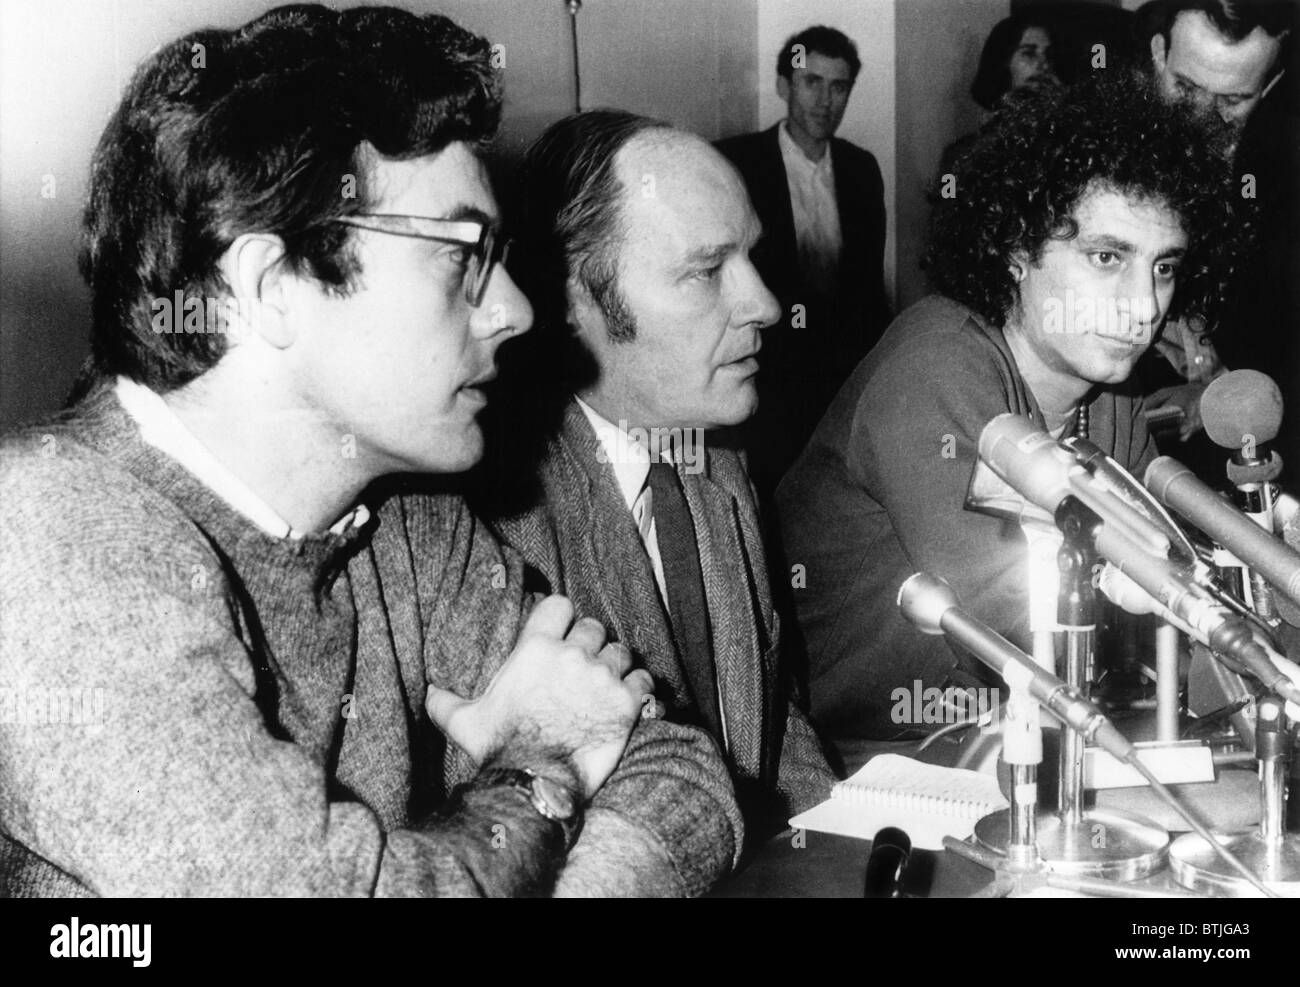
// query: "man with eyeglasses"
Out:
[242,652]
[1229,60]
[1223,57]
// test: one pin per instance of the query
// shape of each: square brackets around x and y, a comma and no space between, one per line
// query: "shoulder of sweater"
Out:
[47,474]
[74,518]
[935,354]
[939,332]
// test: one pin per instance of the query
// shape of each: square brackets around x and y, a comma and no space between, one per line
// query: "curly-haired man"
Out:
[1079,221]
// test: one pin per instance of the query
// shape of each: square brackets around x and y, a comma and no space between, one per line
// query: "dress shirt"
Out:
[630,461]
[816,213]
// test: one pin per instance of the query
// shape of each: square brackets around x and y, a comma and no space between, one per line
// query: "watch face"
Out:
[557,798]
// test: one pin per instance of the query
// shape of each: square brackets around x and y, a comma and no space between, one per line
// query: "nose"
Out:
[755,305]
[504,311]
[1142,303]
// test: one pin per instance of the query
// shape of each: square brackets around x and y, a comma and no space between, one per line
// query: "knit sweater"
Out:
[258,725]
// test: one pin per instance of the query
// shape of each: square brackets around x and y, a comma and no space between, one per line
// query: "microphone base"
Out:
[1109,843]
[1198,868]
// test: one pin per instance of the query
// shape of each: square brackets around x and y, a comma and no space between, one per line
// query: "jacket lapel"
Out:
[738,642]
[617,569]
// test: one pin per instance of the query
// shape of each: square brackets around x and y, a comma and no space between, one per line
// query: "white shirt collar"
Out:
[161,428]
[793,156]
[629,459]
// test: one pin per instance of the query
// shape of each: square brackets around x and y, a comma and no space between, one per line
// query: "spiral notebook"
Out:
[926,801]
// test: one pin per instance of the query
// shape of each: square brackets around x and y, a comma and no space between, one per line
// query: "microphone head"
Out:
[924,599]
[1243,407]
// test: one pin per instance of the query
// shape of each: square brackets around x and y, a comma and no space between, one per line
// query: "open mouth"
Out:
[476,390]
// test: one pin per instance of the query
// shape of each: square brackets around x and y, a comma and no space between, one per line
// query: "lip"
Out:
[481,382]
[749,364]
[474,390]
[1131,341]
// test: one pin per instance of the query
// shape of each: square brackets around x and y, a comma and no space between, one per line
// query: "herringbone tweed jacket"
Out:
[579,534]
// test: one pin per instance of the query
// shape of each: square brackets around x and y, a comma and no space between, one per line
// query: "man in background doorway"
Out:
[821,202]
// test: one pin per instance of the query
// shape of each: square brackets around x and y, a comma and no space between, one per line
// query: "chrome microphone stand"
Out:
[1076,840]
[1269,851]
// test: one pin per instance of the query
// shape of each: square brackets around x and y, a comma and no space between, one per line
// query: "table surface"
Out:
[804,864]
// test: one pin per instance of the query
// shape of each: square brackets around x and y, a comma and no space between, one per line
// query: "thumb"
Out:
[442,707]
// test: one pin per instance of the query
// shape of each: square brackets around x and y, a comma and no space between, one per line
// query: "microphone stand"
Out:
[1097,842]
[1269,851]
[931,605]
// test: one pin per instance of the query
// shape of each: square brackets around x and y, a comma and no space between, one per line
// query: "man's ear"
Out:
[1159,51]
[253,269]
[583,312]
[783,87]
[1018,265]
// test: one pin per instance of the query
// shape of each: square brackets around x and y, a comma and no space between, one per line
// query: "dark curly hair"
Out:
[1020,180]
[259,129]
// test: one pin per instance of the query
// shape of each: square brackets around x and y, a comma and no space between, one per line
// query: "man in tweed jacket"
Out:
[234,658]
[653,229]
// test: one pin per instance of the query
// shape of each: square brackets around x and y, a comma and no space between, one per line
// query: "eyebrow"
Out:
[810,74]
[708,255]
[718,252]
[1119,245]
[1188,82]
[464,212]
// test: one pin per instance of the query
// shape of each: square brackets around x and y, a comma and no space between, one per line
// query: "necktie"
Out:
[684,580]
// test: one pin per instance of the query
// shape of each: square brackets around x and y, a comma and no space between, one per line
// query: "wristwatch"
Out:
[551,799]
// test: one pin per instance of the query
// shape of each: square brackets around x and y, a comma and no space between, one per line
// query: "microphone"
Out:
[891,849]
[1241,410]
[930,604]
[1126,486]
[1046,472]
[1178,488]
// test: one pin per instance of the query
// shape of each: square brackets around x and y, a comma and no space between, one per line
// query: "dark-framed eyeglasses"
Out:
[488,246]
